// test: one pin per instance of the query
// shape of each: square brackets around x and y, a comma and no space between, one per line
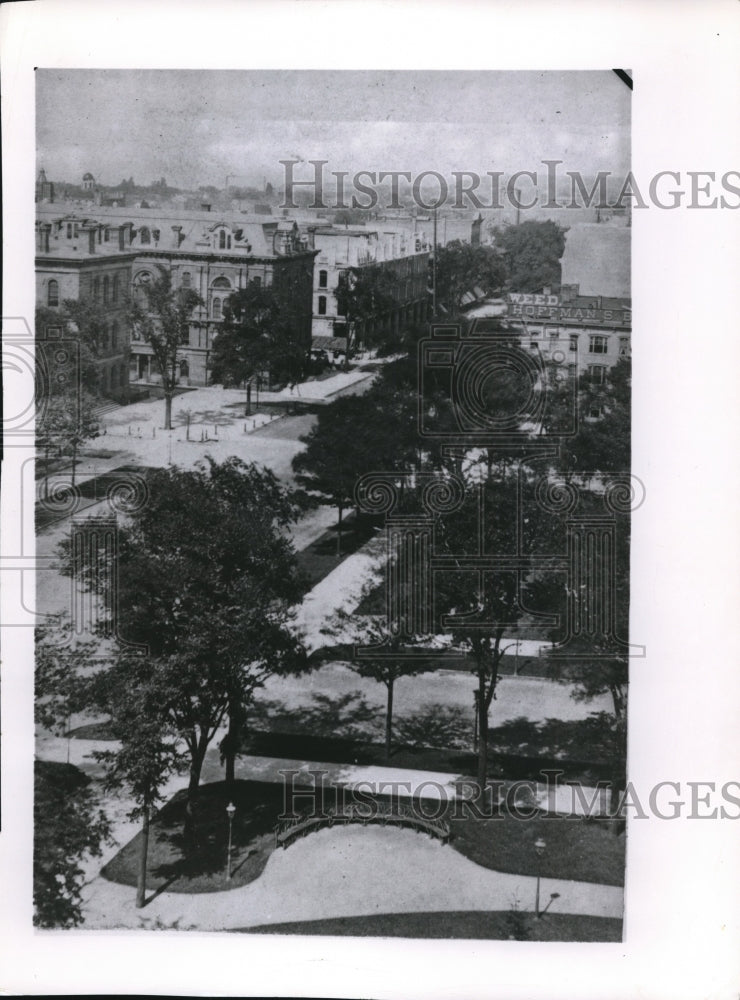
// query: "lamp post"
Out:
[539,846]
[230,810]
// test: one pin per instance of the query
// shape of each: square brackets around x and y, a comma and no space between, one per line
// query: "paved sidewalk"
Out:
[344,872]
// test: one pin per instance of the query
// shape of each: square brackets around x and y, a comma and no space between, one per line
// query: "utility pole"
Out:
[434,265]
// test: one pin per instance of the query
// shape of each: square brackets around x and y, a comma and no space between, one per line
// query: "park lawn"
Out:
[581,850]
[577,849]
[493,925]
[258,805]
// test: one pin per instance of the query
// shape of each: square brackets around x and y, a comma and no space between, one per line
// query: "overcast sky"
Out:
[196,127]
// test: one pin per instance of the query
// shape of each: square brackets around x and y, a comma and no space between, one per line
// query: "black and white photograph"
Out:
[340,515]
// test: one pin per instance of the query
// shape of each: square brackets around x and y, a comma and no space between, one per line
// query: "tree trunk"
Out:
[339,531]
[231,743]
[141,877]
[168,409]
[189,828]
[482,731]
[389,720]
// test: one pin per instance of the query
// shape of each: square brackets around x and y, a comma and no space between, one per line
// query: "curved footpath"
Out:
[349,871]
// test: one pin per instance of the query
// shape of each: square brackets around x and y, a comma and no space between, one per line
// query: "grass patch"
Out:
[582,850]
[169,868]
[484,925]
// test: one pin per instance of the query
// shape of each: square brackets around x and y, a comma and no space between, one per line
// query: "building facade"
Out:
[402,253]
[589,333]
[213,255]
[79,259]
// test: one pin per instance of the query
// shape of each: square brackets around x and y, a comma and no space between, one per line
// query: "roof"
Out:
[196,228]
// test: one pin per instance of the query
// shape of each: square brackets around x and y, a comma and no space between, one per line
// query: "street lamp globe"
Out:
[539,846]
[230,810]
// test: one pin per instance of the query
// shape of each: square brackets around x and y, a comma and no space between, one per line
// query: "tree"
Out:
[207,579]
[461,267]
[162,318]
[259,333]
[383,669]
[148,751]
[354,435]
[532,252]
[69,825]
[485,605]
[66,421]
[365,296]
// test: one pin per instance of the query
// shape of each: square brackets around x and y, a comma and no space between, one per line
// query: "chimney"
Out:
[176,237]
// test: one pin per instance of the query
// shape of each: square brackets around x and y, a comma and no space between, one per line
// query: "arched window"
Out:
[106,289]
[216,309]
[221,283]
[53,293]
[322,305]
[184,368]
[144,235]
[323,279]
[114,334]
[115,288]
[186,280]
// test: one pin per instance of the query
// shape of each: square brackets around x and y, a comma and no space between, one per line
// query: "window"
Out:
[216,309]
[155,235]
[53,293]
[184,368]
[624,347]
[552,332]
[221,283]
[69,230]
[114,335]
[323,279]
[533,345]
[115,288]
[597,345]
[96,289]
[145,236]
[222,240]
[106,234]
[257,281]
[141,284]
[106,289]
[322,305]
[76,230]
[596,374]
[574,341]
[186,279]
[104,339]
